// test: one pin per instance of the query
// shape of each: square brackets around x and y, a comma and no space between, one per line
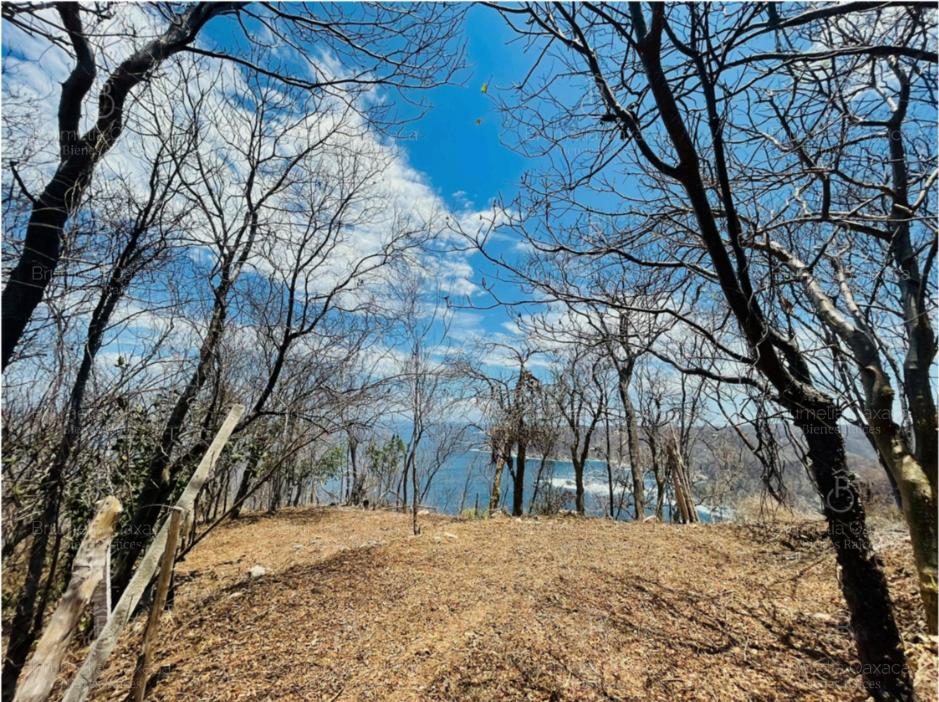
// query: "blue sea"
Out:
[465,481]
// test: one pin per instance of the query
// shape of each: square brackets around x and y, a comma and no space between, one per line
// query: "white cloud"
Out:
[395,196]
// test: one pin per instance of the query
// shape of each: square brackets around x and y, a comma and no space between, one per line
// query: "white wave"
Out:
[591,487]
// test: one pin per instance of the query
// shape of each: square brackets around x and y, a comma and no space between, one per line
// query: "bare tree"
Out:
[879,243]
[406,48]
[514,422]
[545,437]
[577,390]
[79,153]
[140,232]
[664,94]
[430,380]
[626,338]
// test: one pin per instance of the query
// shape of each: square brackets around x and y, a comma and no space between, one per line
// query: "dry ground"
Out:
[353,608]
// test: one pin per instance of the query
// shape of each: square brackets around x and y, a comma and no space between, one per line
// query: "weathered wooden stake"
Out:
[139,686]
[87,570]
[87,675]
[101,599]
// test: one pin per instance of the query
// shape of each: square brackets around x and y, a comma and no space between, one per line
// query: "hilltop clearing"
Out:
[351,607]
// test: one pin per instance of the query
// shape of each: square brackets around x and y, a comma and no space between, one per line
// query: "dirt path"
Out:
[352,608]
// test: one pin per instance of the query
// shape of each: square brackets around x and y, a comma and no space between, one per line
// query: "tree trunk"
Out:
[518,493]
[921,349]
[684,498]
[358,479]
[635,461]
[916,474]
[609,467]
[863,583]
[404,486]
[415,495]
[609,484]
[496,493]
[862,579]
[919,510]
[246,478]
[680,504]
[659,479]
[917,494]
[578,482]
[537,486]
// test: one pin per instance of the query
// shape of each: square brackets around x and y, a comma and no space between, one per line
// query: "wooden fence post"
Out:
[87,675]
[101,598]
[87,571]
[139,685]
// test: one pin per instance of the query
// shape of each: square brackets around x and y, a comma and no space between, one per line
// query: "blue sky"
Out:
[460,144]
[464,159]
[458,149]
[456,145]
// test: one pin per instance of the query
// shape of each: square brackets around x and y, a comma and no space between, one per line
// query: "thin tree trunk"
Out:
[496,493]
[609,469]
[415,498]
[635,461]
[660,480]
[404,486]
[537,487]
[682,485]
[358,478]
[917,496]
[578,482]
[518,493]
[247,477]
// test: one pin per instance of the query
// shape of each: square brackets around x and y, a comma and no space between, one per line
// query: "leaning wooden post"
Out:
[87,675]
[87,571]
[101,598]
[139,685]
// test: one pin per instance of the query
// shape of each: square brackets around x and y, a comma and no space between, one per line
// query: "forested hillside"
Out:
[597,336]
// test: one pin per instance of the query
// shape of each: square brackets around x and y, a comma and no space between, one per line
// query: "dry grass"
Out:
[353,608]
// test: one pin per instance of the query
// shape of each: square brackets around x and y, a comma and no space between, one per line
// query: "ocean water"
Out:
[466,480]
